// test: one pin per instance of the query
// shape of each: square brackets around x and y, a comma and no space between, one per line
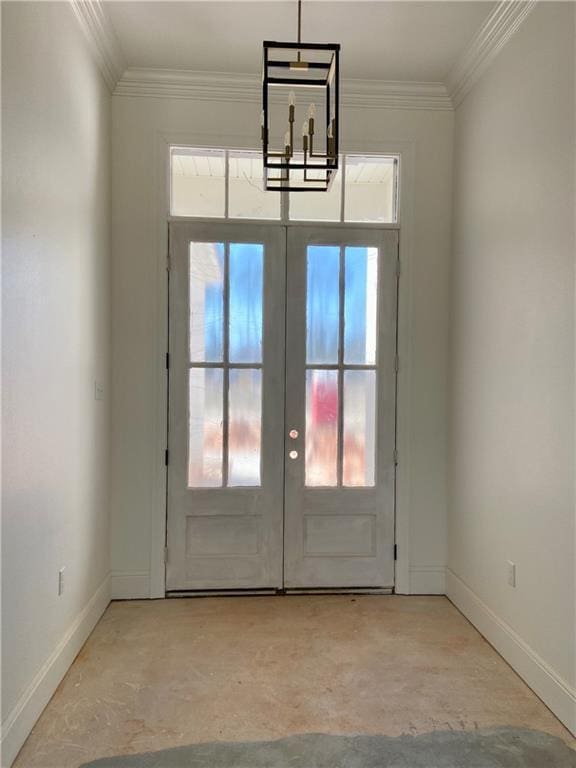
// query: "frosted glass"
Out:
[246,196]
[371,185]
[245,322]
[321,427]
[322,303]
[360,305]
[245,426]
[359,443]
[206,298]
[197,182]
[205,428]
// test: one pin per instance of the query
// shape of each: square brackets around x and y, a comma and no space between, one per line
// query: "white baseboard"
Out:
[555,692]
[130,585]
[427,580]
[20,721]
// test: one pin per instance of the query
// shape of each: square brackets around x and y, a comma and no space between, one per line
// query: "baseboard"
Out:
[130,585]
[555,692]
[17,726]
[427,580]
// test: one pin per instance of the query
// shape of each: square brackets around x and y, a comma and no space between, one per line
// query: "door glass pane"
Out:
[206,302]
[321,427]
[198,182]
[371,189]
[359,447]
[246,269]
[322,303]
[246,196]
[205,427]
[245,416]
[361,286]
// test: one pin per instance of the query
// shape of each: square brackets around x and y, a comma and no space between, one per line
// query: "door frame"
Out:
[161,218]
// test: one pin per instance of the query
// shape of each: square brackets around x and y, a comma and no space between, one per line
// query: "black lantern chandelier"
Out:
[311,73]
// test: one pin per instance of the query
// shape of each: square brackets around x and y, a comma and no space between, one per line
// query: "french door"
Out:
[281,422]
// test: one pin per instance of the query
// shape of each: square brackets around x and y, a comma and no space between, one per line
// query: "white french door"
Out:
[281,420]
[340,399]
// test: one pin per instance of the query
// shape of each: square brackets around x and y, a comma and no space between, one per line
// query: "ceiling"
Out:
[404,41]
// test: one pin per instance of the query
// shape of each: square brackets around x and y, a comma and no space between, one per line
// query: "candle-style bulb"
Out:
[330,131]
[291,99]
[287,139]
[262,118]
[305,128]
[312,111]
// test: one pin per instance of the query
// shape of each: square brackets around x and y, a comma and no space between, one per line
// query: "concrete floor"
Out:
[168,673]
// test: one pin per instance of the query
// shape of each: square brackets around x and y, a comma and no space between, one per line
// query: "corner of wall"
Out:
[130,585]
[427,580]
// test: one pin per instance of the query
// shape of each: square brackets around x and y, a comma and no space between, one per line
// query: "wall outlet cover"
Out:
[511,573]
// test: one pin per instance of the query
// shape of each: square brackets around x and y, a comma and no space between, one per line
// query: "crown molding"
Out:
[101,37]
[390,94]
[140,82]
[188,84]
[492,36]
[216,86]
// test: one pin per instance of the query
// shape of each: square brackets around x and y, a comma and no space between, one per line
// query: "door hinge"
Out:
[398,268]
[395,551]
[397,363]
[166,457]
[167,361]
[396,457]
[165,555]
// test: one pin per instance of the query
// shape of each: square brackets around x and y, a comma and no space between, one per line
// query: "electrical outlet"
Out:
[61,581]
[98,390]
[511,573]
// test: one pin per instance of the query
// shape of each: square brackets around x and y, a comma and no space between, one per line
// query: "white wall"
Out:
[140,126]
[56,273]
[511,478]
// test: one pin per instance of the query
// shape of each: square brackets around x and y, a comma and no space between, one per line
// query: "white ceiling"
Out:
[409,41]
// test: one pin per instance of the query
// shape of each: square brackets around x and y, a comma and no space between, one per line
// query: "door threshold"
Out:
[273,592]
[223,592]
[339,591]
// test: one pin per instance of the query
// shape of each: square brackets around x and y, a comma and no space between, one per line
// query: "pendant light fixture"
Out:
[300,82]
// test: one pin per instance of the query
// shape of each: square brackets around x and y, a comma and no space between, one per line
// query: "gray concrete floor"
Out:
[161,674]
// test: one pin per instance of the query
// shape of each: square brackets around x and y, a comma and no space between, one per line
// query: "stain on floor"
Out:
[492,748]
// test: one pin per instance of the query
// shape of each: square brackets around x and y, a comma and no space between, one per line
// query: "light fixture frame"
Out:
[281,161]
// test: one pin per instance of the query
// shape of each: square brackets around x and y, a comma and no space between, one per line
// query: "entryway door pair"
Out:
[282,393]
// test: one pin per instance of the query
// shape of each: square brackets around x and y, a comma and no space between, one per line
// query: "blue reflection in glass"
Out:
[245,303]
[361,284]
[322,303]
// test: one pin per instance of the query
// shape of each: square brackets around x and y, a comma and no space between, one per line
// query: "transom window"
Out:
[227,184]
